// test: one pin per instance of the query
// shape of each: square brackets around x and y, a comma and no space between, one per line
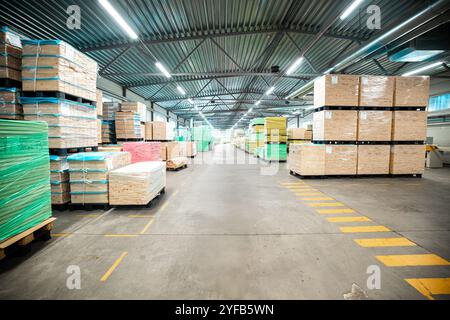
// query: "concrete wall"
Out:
[441,132]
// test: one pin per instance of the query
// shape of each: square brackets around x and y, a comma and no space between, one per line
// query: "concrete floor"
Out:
[226,231]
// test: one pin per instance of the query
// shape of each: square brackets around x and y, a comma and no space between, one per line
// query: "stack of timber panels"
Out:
[99,110]
[89,175]
[128,126]
[158,131]
[257,131]
[10,107]
[59,180]
[108,122]
[275,139]
[366,125]
[202,136]
[24,177]
[298,136]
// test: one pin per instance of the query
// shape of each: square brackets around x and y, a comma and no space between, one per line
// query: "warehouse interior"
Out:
[225,149]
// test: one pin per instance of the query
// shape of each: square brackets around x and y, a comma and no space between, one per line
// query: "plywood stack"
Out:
[10,55]
[53,65]
[108,131]
[70,124]
[275,138]
[176,163]
[109,110]
[137,107]
[335,125]
[99,103]
[257,130]
[24,176]
[298,136]
[373,159]
[161,131]
[143,151]
[59,179]
[407,159]
[128,125]
[10,107]
[137,184]
[89,175]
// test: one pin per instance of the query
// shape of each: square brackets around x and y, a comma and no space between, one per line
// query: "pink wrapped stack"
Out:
[143,151]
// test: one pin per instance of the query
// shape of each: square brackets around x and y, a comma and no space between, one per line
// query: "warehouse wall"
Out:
[440,133]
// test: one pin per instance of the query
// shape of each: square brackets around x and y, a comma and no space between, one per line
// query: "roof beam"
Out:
[211,34]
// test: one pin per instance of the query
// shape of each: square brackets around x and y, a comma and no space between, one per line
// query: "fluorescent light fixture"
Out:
[270,91]
[420,70]
[250,110]
[113,12]
[350,9]
[181,90]
[257,103]
[163,69]
[328,70]
[294,66]
[190,101]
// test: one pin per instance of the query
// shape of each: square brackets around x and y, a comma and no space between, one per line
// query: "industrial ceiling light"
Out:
[420,70]
[350,9]
[108,7]
[250,110]
[190,101]
[162,69]
[257,103]
[294,66]
[270,91]
[181,90]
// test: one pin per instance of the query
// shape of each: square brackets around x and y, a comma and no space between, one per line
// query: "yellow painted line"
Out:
[139,216]
[364,229]
[88,215]
[146,227]
[60,234]
[431,286]
[404,260]
[174,194]
[298,187]
[348,219]
[113,267]
[164,206]
[385,242]
[302,189]
[326,204]
[317,199]
[302,194]
[291,183]
[332,211]
[121,235]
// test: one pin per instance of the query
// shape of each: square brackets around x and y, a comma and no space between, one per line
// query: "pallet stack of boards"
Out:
[298,136]
[59,179]
[128,126]
[89,175]
[137,184]
[25,170]
[143,151]
[108,122]
[257,135]
[10,107]
[365,125]
[202,137]
[275,139]
[99,110]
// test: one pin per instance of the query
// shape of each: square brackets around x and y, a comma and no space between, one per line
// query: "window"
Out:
[440,102]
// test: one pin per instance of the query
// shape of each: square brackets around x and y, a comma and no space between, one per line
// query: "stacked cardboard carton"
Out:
[89,175]
[10,107]
[137,184]
[59,179]
[53,65]
[10,55]
[128,125]
[70,124]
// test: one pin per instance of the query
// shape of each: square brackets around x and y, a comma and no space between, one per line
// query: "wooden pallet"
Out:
[57,94]
[362,176]
[178,168]
[42,230]
[148,205]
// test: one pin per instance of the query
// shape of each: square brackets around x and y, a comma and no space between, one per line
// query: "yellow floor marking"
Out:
[174,194]
[404,260]
[430,286]
[317,199]
[298,187]
[291,183]
[384,242]
[121,235]
[332,211]
[88,215]
[113,267]
[364,229]
[348,219]
[326,204]
[146,227]
[139,216]
[60,234]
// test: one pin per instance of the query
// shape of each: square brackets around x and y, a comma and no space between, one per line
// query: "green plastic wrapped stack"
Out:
[202,135]
[25,198]
[275,152]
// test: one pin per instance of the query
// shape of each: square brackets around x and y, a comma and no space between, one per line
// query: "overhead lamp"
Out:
[420,70]
[181,90]
[113,12]
[350,9]
[294,66]
[190,101]
[270,91]
[162,69]
[257,103]
[250,110]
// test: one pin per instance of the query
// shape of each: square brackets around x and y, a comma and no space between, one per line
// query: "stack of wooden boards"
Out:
[24,176]
[128,126]
[10,107]
[10,55]
[275,139]
[59,180]
[202,136]
[257,135]
[53,65]
[89,174]
[137,184]
[143,151]
[299,136]
[365,125]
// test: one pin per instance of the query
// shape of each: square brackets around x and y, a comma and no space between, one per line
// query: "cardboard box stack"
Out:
[70,124]
[24,177]
[10,55]
[53,65]
[275,139]
[10,107]
[59,179]
[89,175]
[137,184]
[381,130]
[128,125]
